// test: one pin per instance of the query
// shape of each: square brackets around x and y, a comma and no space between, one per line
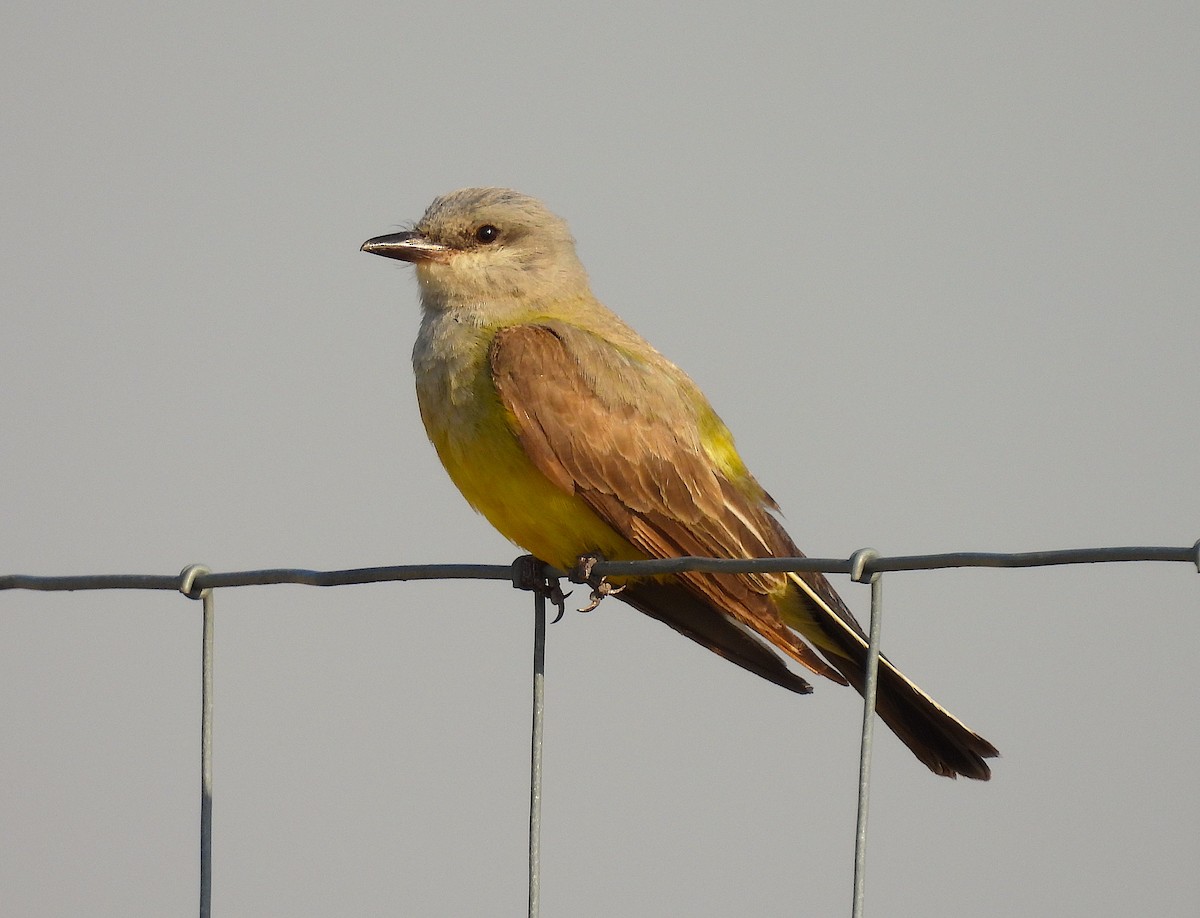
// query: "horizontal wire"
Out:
[875,565]
[265,577]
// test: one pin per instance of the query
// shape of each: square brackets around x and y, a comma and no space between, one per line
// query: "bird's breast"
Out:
[475,438]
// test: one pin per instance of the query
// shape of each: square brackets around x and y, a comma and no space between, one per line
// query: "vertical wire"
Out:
[206,712]
[535,759]
[870,690]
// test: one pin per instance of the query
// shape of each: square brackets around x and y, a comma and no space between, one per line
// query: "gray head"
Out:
[487,243]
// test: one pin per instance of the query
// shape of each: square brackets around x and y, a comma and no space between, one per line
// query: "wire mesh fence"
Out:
[864,566]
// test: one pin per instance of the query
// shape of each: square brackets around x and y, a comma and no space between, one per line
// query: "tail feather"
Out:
[935,736]
[938,739]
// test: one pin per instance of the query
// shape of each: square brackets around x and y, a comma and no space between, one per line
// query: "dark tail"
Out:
[935,736]
[939,739]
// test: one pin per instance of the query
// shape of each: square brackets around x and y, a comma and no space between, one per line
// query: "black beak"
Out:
[411,246]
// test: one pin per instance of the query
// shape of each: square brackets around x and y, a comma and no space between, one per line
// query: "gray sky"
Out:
[935,266]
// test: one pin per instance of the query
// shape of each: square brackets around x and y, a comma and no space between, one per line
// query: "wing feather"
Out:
[625,436]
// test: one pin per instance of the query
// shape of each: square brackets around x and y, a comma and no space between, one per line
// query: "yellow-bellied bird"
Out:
[576,438]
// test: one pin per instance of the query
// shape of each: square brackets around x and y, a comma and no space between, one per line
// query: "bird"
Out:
[577,440]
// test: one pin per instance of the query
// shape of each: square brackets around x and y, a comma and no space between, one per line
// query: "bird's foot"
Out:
[529,573]
[582,573]
[601,589]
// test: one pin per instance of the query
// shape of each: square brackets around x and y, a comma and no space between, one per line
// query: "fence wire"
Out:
[864,566]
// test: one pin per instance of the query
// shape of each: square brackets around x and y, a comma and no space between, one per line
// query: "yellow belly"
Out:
[485,460]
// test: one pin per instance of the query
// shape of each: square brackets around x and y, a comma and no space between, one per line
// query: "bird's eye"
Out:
[487,233]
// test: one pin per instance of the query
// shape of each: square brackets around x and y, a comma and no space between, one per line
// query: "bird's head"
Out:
[480,245]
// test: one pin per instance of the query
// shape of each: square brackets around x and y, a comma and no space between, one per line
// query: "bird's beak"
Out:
[411,246]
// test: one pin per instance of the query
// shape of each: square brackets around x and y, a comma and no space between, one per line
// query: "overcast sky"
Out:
[934,264]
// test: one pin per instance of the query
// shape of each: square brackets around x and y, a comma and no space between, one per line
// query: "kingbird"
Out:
[578,440]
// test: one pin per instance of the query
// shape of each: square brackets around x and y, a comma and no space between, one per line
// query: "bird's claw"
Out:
[602,589]
[529,573]
[558,598]
[582,573]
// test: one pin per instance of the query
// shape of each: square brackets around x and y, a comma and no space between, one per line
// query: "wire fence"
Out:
[864,566]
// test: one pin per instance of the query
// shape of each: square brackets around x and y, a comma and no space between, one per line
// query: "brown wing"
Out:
[623,432]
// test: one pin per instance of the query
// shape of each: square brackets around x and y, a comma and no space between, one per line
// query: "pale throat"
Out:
[450,359]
